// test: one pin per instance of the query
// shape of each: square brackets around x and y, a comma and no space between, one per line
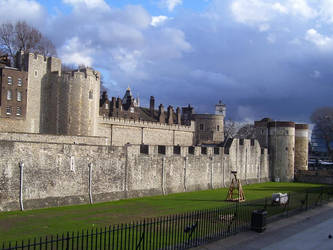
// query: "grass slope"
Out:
[19,225]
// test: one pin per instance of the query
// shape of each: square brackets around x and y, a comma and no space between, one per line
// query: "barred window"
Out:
[8,110]
[10,80]
[9,94]
[18,111]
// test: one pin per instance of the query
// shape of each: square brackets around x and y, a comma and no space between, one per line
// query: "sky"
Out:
[262,58]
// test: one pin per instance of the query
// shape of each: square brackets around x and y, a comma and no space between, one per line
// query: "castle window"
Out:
[216,151]
[18,111]
[35,73]
[10,80]
[201,126]
[19,82]
[176,150]
[161,150]
[203,150]
[191,150]
[218,128]
[90,94]
[8,110]
[9,94]
[19,96]
[106,106]
[144,149]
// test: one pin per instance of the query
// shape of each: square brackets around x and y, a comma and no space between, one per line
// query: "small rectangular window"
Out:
[191,150]
[161,150]
[19,82]
[176,150]
[19,96]
[216,151]
[203,150]
[90,94]
[10,80]
[218,128]
[18,111]
[8,110]
[144,149]
[201,126]
[9,94]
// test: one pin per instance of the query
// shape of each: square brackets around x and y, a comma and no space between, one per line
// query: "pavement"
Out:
[308,230]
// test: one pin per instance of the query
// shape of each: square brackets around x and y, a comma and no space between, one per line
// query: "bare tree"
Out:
[247,131]
[22,37]
[230,129]
[323,120]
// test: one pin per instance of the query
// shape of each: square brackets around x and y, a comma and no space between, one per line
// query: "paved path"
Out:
[308,230]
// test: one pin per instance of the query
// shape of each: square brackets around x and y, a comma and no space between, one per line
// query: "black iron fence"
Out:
[179,231]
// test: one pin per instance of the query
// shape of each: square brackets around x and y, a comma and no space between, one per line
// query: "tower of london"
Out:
[56,122]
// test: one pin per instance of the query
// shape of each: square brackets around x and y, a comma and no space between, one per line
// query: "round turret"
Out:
[281,145]
[301,146]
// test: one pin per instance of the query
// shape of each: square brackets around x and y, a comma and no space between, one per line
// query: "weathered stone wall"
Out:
[122,131]
[56,171]
[209,128]
[301,146]
[319,176]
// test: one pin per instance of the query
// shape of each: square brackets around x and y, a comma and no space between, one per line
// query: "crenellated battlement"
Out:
[81,74]
[147,124]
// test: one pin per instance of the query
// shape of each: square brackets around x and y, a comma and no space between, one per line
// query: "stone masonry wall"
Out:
[122,131]
[56,171]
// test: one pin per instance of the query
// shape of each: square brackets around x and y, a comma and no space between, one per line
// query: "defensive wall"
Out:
[122,131]
[316,176]
[65,170]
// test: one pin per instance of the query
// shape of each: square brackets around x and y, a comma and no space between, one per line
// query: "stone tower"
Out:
[40,70]
[301,146]
[220,109]
[281,146]
[79,102]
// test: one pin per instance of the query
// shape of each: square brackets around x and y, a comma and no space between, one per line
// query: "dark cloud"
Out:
[273,61]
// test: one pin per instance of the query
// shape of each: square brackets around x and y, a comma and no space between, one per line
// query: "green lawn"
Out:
[28,224]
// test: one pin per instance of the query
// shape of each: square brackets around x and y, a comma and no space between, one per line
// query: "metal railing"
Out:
[178,231]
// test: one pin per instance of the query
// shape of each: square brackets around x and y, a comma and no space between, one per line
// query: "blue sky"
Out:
[263,58]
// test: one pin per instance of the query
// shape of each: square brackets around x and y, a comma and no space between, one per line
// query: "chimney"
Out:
[170,115]
[178,116]
[152,105]
[161,115]
[119,104]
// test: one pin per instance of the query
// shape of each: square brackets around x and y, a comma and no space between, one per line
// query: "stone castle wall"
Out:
[122,131]
[56,169]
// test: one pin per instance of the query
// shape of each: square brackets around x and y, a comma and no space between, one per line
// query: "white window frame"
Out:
[9,94]
[18,111]
[19,96]
[10,80]
[8,110]
[19,82]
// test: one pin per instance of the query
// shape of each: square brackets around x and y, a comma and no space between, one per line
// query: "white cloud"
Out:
[326,10]
[18,10]
[271,38]
[126,60]
[75,52]
[315,74]
[171,4]
[158,20]
[301,8]
[264,27]
[318,39]
[90,4]
[279,7]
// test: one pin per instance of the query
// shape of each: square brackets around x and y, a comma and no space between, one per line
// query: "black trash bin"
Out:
[258,220]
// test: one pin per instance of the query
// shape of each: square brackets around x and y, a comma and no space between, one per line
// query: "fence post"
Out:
[288,202]
[265,203]
[306,200]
